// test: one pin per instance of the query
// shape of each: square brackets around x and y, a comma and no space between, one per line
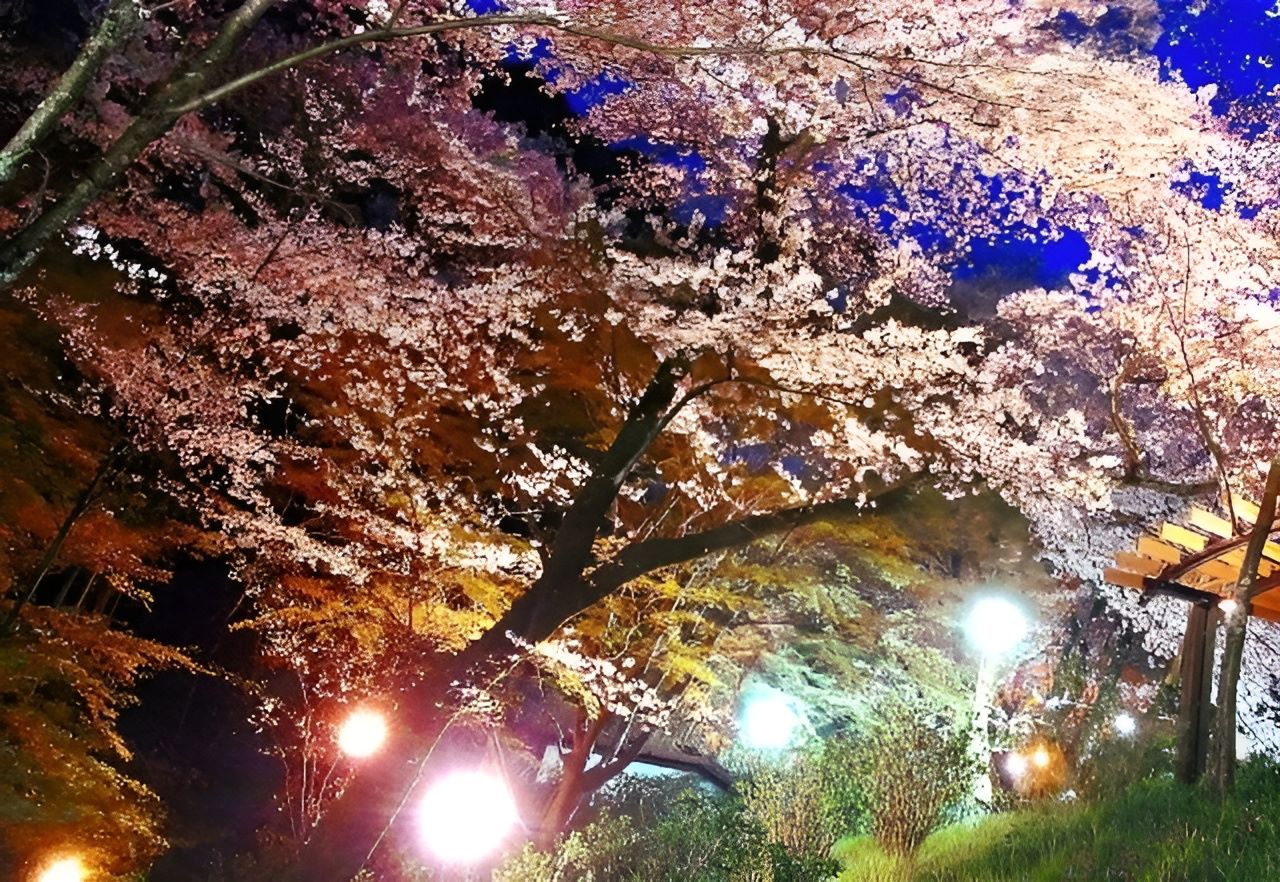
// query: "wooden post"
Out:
[1195,710]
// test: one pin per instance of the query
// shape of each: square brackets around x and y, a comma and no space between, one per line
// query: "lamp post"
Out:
[66,869]
[768,721]
[362,733]
[993,627]
[466,816]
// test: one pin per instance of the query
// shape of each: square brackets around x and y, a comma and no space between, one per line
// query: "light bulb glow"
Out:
[1125,724]
[1015,764]
[1040,758]
[362,733]
[995,625]
[68,869]
[466,816]
[768,722]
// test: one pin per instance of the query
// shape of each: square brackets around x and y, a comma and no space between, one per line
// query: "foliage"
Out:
[805,801]
[917,765]
[670,831]
[61,783]
[1155,830]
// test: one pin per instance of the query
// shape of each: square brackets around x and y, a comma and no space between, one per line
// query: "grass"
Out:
[1157,831]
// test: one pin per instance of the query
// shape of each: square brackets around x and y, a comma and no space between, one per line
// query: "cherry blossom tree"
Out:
[412,354]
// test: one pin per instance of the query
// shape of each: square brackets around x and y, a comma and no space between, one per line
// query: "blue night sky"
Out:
[1229,43]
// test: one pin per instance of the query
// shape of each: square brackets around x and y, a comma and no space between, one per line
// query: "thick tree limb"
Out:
[116,26]
[654,554]
[159,115]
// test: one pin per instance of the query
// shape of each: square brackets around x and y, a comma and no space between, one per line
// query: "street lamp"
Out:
[362,733]
[67,869]
[465,816]
[768,721]
[994,626]
[1125,724]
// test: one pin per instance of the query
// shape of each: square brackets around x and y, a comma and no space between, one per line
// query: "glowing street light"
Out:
[466,816]
[995,625]
[1015,764]
[1125,724]
[768,722]
[67,869]
[362,733]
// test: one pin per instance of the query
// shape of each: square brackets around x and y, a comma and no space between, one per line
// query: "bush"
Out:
[916,765]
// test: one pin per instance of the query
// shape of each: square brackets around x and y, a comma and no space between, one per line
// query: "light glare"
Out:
[768,723]
[1040,758]
[1228,606]
[1125,724]
[68,869]
[466,816]
[1015,764]
[362,733]
[995,625]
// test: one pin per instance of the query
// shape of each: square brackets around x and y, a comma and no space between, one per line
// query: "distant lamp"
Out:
[466,816]
[1125,724]
[362,733]
[67,869]
[768,722]
[995,625]
[1015,764]
[1040,758]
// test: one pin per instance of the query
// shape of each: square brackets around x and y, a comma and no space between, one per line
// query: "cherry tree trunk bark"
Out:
[1222,765]
[568,790]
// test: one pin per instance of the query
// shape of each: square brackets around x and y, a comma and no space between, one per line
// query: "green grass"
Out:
[1156,831]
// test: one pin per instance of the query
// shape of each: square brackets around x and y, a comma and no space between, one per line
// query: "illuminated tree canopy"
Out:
[552,349]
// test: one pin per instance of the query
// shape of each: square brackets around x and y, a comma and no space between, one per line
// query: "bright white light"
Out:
[1228,606]
[768,722]
[1040,758]
[995,625]
[1125,724]
[67,869]
[1015,764]
[362,733]
[466,816]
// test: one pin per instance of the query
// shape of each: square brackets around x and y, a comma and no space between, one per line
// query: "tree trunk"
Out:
[1222,766]
[55,546]
[568,790]
[1195,689]
[117,25]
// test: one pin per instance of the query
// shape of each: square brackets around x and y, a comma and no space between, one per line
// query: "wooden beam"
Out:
[1125,579]
[1210,523]
[1244,509]
[1149,546]
[1195,689]
[1137,563]
[1182,536]
[1218,569]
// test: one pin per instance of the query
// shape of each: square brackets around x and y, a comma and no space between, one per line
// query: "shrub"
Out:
[916,766]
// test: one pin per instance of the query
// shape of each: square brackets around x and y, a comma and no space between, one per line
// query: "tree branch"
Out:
[653,554]
[117,24]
